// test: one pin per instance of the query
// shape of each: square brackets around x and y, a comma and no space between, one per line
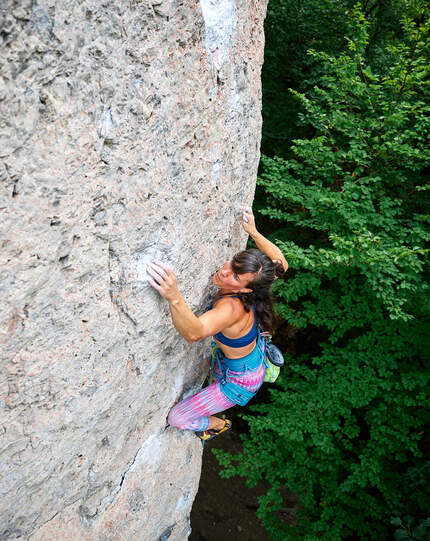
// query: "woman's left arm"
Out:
[186,322]
[263,244]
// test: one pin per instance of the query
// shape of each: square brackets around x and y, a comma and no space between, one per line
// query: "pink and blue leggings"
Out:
[193,412]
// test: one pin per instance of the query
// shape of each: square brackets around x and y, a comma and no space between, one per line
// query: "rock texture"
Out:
[129,130]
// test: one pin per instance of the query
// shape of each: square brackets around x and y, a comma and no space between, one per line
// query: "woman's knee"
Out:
[175,418]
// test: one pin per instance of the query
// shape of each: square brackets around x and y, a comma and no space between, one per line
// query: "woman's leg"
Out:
[194,412]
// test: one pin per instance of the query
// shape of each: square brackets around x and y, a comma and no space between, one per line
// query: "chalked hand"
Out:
[248,220]
[163,280]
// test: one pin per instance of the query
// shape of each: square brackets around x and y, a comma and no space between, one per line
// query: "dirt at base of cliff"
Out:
[225,509]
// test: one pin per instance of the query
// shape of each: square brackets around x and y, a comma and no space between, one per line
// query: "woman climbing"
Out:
[242,302]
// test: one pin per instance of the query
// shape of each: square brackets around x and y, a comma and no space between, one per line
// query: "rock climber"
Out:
[242,303]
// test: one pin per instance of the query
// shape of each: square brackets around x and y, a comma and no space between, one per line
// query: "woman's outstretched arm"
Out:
[192,328]
[263,244]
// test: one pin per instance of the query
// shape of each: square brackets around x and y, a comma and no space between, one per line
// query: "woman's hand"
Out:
[165,281]
[248,221]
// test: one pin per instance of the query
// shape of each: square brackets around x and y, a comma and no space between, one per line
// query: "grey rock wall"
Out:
[129,130]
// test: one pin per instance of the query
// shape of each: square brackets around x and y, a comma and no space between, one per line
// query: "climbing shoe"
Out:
[211,433]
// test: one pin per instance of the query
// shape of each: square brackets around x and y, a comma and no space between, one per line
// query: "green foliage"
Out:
[344,428]
[407,531]
[292,27]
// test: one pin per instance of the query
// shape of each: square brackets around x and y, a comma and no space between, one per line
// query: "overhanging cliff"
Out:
[129,130]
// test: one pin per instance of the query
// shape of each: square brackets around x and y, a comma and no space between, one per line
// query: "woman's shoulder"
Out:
[225,296]
[234,300]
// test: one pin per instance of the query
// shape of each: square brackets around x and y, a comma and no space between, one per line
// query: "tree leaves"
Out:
[345,427]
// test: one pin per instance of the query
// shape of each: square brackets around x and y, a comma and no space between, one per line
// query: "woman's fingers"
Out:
[154,285]
[247,218]
[164,266]
[163,276]
[246,213]
[158,269]
[158,279]
[164,280]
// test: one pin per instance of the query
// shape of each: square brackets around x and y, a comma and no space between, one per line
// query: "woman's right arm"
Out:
[224,314]
[263,244]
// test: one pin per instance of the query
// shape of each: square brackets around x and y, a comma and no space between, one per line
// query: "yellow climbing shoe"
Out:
[211,433]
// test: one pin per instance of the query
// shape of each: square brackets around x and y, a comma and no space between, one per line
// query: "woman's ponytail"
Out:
[266,272]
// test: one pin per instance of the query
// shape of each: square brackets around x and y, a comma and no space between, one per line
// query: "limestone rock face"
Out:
[129,131]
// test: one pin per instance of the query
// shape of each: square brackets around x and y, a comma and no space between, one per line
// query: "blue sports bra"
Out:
[242,340]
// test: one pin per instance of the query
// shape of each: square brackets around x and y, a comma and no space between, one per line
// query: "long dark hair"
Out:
[266,271]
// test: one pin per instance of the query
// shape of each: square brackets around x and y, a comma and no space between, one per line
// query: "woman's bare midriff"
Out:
[236,353]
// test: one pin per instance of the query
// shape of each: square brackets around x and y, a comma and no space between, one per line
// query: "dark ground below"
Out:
[225,509]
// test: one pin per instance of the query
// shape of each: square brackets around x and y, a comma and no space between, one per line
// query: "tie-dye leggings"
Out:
[193,412]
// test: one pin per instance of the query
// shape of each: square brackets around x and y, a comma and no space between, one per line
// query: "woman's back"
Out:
[239,339]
